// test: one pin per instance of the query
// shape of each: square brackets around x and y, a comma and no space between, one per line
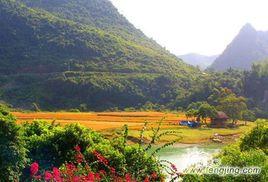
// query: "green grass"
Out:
[196,136]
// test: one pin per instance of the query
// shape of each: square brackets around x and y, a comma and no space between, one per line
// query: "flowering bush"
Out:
[53,146]
[81,171]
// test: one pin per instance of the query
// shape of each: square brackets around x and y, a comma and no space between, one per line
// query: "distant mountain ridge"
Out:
[247,47]
[198,60]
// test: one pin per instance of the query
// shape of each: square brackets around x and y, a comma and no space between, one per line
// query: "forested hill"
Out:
[62,54]
[248,47]
[256,86]
[98,13]
[34,40]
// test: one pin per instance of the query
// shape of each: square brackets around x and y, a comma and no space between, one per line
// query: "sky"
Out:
[194,26]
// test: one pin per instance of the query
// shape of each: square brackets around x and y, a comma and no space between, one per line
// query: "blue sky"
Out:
[199,26]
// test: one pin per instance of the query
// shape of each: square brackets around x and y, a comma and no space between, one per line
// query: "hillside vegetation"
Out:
[65,54]
[57,56]
[35,41]
[256,87]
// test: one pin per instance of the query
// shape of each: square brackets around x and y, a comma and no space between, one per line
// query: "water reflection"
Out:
[185,156]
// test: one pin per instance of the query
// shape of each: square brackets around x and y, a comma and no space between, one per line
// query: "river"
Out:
[184,156]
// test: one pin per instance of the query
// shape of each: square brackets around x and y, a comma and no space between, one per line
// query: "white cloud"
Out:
[201,26]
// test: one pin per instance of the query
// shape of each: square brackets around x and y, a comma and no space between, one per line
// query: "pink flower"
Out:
[102,172]
[76,179]
[48,176]
[90,177]
[128,177]
[77,148]
[100,158]
[97,177]
[79,158]
[38,177]
[34,168]
[70,167]
[112,170]
[154,175]
[56,174]
[146,179]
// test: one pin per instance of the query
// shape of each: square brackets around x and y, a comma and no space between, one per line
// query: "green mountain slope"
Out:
[98,13]
[36,41]
[102,61]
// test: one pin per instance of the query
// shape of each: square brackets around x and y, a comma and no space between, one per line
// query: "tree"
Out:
[191,113]
[206,111]
[201,110]
[12,151]
[233,106]
[248,115]
[192,109]
[195,105]
[219,94]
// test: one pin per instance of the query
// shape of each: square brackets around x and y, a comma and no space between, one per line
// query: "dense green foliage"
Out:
[96,13]
[256,88]
[201,110]
[96,91]
[12,148]
[206,111]
[223,100]
[43,42]
[252,85]
[233,106]
[256,139]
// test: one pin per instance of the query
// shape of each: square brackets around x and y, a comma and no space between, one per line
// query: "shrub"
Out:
[74,110]
[81,170]
[12,151]
[257,138]
[233,156]
[52,145]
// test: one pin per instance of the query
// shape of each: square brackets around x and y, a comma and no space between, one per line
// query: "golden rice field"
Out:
[110,122]
[104,120]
